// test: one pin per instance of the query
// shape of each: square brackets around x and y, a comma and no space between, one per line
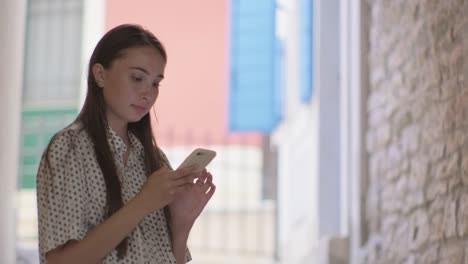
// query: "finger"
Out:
[186,170]
[209,178]
[187,180]
[205,188]
[202,178]
[210,193]
[177,175]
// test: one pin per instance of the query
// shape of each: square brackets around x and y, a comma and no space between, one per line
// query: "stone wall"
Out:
[416,208]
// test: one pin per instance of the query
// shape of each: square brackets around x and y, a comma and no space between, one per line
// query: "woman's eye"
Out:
[156,85]
[137,79]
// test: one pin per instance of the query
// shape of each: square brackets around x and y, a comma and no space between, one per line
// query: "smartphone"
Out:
[201,157]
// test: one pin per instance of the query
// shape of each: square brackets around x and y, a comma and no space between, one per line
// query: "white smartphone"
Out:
[201,157]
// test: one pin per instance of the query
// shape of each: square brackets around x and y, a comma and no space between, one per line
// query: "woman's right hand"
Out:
[162,186]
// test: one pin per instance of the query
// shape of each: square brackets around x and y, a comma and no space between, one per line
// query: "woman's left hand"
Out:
[190,202]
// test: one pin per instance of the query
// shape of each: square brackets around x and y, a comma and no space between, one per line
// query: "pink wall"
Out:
[193,95]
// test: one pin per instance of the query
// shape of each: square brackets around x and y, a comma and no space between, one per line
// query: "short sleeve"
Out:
[61,194]
[188,256]
[164,158]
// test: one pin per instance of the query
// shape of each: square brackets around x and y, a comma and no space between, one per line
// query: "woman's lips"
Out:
[140,109]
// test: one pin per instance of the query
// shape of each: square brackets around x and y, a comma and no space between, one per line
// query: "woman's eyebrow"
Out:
[145,71]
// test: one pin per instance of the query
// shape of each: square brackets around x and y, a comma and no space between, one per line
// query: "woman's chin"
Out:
[135,118]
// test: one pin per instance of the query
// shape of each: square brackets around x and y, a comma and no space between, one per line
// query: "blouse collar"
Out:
[117,144]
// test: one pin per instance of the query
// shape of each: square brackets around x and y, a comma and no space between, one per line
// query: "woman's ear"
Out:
[99,74]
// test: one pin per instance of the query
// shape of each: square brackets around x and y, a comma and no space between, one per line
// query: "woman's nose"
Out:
[146,92]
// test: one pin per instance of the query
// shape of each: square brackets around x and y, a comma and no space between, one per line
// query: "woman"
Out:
[106,193]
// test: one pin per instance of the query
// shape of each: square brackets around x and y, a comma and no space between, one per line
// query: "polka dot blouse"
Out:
[71,197]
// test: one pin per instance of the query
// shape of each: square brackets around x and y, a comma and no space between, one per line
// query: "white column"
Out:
[354,73]
[93,29]
[326,82]
[12,25]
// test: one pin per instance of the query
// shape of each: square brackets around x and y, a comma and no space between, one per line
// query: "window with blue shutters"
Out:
[306,50]
[255,54]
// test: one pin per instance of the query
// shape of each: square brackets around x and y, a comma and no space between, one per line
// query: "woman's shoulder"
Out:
[64,146]
[69,137]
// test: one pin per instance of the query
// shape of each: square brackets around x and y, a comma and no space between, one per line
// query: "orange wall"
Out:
[194,94]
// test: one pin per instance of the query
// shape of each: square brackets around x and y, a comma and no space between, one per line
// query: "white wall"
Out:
[297,185]
[326,82]
[312,204]
[12,25]
[296,138]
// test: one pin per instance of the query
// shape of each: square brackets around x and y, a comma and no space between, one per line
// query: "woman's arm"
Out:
[158,191]
[186,208]
[103,238]
[179,245]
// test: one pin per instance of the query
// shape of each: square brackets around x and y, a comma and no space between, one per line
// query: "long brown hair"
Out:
[93,114]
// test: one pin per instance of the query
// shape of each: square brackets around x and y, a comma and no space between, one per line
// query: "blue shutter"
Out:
[254,96]
[279,85]
[305,49]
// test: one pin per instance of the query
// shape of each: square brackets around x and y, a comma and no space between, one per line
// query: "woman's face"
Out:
[131,84]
